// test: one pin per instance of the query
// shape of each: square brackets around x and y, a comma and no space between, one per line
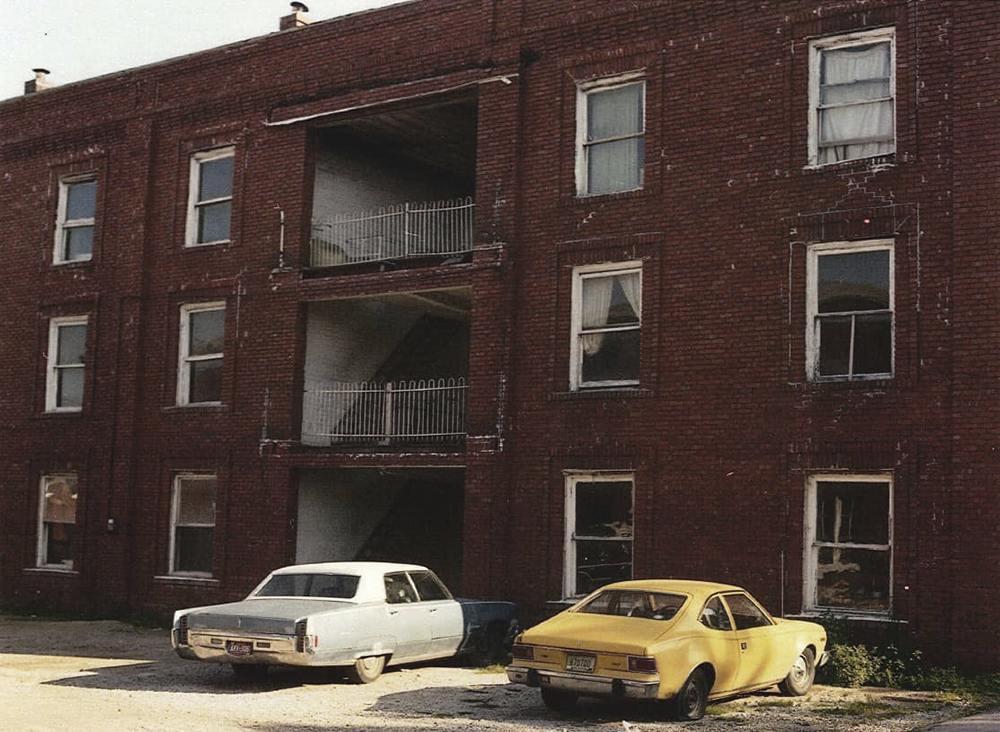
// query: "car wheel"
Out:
[249,672]
[490,647]
[558,701]
[800,677]
[692,699]
[366,670]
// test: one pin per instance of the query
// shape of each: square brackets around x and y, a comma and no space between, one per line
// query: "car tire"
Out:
[490,647]
[691,700]
[366,670]
[558,701]
[800,677]
[249,671]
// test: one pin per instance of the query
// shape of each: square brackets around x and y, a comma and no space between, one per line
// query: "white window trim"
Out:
[194,189]
[52,367]
[811,546]
[184,359]
[583,90]
[175,506]
[572,479]
[812,304]
[576,321]
[40,555]
[62,224]
[816,47]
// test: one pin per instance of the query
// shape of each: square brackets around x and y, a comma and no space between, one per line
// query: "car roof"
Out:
[695,588]
[355,568]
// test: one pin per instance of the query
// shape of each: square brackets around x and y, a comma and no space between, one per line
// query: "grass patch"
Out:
[864,709]
[493,668]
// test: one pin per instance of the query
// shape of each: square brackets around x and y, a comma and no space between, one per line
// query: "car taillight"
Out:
[302,641]
[642,664]
[525,653]
[182,631]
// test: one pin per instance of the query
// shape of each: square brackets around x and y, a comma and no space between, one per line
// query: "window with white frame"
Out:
[852,92]
[210,197]
[598,543]
[75,219]
[848,543]
[850,310]
[57,520]
[606,325]
[66,364]
[199,373]
[192,524]
[611,128]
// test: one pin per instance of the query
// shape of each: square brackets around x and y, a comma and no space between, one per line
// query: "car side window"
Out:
[398,589]
[429,587]
[746,613]
[714,615]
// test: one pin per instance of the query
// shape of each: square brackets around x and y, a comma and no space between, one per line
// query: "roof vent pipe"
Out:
[296,19]
[41,81]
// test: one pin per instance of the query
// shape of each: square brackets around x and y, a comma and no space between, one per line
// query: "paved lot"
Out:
[100,676]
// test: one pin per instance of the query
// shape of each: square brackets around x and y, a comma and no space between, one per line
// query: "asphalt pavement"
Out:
[989,722]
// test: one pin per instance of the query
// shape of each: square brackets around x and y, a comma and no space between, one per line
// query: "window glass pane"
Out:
[72,344]
[193,549]
[601,562]
[853,578]
[854,281]
[207,328]
[79,242]
[746,614]
[197,501]
[206,381]
[855,73]
[604,508]
[852,512]
[615,166]
[715,616]
[610,299]
[610,356]
[215,178]
[58,544]
[615,112]
[398,589]
[80,200]
[213,221]
[835,346]
[873,344]
[428,586]
[59,501]
[69,388]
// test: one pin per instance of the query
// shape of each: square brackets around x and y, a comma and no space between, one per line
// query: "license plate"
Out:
[239,648]
[580,663]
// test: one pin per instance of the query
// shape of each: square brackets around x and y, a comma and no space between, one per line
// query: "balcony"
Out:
[419,411]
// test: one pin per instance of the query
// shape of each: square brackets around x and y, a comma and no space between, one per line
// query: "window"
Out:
[852,90]
[210,197]
[850,310]
[746,613]
[848,543]
[57,519]
[606,324]
[75,220]
[202,333]
[611,126]
[192,537]
[598,546]
[67,351]
[398,589]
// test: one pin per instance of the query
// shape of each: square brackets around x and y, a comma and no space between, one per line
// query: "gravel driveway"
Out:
[100,676]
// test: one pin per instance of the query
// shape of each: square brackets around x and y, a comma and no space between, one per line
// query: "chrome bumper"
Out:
[267,650]
[584,684]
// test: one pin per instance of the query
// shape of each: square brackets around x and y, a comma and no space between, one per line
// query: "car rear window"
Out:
[634,604]
[337,586]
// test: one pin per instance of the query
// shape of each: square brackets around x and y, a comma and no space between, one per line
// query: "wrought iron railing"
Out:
[431,410]
[433,228]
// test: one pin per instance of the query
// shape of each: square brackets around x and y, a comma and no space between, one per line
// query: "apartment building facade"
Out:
[541,294]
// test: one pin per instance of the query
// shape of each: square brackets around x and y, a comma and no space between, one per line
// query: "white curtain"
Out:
[613,163]
[597,294]
[859,79]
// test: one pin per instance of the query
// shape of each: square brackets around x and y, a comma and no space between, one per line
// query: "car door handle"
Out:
[743,646]
[433,609]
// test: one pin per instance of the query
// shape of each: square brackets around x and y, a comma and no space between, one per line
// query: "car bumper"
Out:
[584,684]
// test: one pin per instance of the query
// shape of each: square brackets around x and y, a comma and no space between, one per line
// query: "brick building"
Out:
[541,294]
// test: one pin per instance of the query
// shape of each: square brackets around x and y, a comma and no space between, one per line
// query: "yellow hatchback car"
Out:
[682,640]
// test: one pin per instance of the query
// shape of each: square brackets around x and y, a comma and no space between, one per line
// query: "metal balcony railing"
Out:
[430,410]
[394,232]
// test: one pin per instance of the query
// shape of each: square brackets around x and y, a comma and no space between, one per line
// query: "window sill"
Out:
[181,579]
[49,413]
[875,161]
[57,571]
[206,406]
[617,392]
[880,384]
[817,615]
[70,263]
[587,198]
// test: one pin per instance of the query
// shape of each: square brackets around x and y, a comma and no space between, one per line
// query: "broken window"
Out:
[210,198]
[192,539]
[852,97]
[598,547]
[57,521]
[850,302]
[202,333]
[611,126]
[75,219]
[66,368]
[849,543]
[606,322]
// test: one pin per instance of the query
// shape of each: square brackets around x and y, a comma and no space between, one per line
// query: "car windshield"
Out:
[634,604]
[337,586]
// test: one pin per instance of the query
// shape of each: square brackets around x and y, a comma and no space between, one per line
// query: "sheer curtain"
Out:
[856,105]
[615,121]
[597,296]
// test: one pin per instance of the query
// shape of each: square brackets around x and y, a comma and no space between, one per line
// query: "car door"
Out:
[408,620]
[721,645]
[444,613]
[755,632]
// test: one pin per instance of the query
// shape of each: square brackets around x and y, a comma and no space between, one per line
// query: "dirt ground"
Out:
[100,676]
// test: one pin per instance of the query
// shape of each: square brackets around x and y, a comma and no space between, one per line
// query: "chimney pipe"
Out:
[297,18]
[40,82]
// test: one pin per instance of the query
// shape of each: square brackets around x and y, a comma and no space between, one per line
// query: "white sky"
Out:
[80,39]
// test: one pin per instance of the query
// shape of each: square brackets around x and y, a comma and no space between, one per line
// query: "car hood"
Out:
[607,633]
[261,615]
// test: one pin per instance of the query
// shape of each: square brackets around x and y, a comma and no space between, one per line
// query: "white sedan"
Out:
[359,615]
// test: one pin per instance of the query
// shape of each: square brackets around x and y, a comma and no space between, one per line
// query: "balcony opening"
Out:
[396,186]
[387,371]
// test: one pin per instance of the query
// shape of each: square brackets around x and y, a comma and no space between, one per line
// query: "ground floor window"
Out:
[192,535]
[57,520]
[848,558]
[598,546]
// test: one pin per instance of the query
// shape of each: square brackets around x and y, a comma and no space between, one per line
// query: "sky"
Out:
[81,39]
